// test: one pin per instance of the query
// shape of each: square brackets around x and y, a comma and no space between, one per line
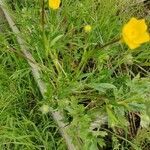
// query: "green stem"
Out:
[43,15]
[84,60]
[122,138]
[108,44]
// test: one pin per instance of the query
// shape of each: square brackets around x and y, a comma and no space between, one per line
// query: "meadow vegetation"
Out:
[103,91]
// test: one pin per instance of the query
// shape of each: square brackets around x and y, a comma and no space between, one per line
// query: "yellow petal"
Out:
[133,22]
[130,43]
[54,4]
[141,25]
[130,29]
[133,46]
[145,37]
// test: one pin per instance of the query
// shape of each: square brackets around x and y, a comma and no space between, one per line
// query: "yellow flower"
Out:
[54,4]
[135,33]
[87,28]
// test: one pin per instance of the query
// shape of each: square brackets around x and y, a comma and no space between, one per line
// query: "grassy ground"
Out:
[104,93]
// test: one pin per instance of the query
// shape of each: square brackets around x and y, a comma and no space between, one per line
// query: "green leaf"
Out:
[93,146]
[102,87]
[111,117]
[55,40]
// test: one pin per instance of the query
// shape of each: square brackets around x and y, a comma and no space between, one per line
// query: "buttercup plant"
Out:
[91,82]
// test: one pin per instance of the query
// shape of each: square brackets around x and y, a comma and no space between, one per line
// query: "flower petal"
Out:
[130,43]
[54,4]
[145,37]
[141,25]
[133,46]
